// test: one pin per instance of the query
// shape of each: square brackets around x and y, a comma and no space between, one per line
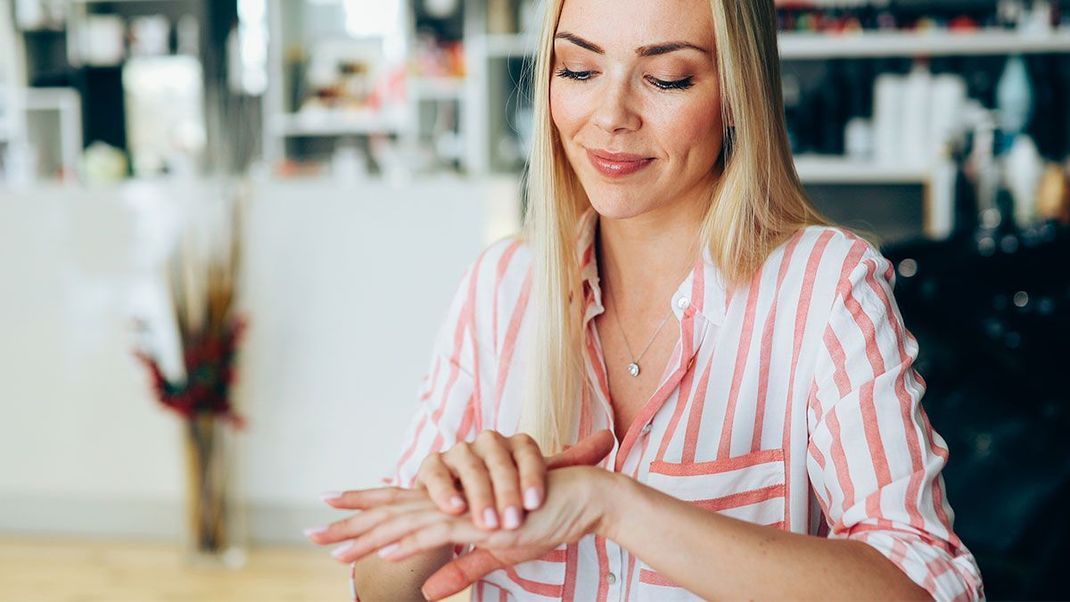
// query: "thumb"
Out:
[459,574]
[588,451]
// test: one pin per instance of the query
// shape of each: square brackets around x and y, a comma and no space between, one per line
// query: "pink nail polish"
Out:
[512,517]
[314,531]
[457,502]
[490,518]
[328,496]
[531,498]
[342,549]
[388,550]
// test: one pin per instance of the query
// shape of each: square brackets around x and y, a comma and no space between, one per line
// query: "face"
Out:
[636,101]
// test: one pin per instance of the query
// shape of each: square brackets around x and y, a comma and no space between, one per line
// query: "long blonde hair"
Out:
[756,204]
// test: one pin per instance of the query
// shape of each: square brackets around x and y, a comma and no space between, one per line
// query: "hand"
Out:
[374,528]
[401,523]
[491,472]
[545,530]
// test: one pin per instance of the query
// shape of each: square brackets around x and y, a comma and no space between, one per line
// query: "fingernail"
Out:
[330,495]
[512,517]
[531,498]
[424,594]
[309,532]
[388,550]
[342,549]
[490,518]
[457,502]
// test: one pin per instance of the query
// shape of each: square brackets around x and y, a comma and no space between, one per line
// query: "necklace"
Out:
[633,367]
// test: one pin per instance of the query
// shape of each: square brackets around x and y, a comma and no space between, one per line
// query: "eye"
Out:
[680,84]
[576,75]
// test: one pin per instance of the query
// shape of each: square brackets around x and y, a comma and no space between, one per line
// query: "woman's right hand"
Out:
[497,478]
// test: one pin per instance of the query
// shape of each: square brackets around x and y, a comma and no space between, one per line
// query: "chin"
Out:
[616,204]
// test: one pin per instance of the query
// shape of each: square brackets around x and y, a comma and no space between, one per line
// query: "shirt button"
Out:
[683,302]
[611,578]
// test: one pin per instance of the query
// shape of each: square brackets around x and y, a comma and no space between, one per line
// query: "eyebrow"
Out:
[650,50]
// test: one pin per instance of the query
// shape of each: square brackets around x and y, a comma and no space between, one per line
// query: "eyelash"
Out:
[680,84]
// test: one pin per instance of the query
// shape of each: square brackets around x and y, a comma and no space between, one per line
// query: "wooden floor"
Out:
[54,570]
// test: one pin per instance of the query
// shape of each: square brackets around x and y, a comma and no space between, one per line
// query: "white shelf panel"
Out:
[505,45]
[436,88]
[822,169]
[907,44]
[335,123]
[865,45]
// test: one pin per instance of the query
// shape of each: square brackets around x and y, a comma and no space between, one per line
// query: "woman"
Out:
[735,371]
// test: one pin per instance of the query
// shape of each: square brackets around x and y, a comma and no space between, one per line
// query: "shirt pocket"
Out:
[750,487]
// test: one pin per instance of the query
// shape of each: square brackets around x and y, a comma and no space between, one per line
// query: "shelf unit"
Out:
[799,46]
[823,169]
[807,46]
[483,94]
[12,80]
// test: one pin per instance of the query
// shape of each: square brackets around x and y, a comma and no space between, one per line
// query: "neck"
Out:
[643,259]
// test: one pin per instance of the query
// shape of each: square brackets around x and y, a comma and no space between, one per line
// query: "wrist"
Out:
[614,493]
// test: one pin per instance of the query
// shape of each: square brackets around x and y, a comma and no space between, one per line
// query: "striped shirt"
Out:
[790,402]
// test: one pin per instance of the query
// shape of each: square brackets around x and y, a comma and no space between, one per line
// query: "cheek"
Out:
[693,130]
[567,109]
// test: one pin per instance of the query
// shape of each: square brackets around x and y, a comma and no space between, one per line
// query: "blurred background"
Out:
[199,334]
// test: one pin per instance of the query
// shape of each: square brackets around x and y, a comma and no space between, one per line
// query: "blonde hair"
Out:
[756,204]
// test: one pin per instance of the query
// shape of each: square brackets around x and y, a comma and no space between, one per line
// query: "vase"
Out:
[215,525]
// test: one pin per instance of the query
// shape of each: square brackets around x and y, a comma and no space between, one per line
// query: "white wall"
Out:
[345,286]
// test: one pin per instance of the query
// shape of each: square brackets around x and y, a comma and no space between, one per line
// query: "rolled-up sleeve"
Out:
[874,460]
[445,412]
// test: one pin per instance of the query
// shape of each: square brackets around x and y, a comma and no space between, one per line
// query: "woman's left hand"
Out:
[401,522]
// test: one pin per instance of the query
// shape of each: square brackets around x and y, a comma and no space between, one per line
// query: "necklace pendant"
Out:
[633,369]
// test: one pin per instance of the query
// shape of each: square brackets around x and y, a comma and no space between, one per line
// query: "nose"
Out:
[615,114]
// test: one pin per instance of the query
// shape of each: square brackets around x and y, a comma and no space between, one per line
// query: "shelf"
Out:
[907,44]
[506,45]
[335,123]
[795,46]
[436,88]
[823,169]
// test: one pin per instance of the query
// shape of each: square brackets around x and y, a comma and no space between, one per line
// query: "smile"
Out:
[617,165]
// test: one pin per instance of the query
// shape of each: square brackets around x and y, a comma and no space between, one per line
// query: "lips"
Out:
[617,165]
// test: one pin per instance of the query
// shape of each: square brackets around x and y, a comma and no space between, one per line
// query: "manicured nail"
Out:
[330,495]
[512,517]
[531,498]
[309,532]
[457,502]
[342,549]
[388,550]
[490,518]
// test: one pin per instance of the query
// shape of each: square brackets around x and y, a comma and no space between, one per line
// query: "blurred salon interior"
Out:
[263,207]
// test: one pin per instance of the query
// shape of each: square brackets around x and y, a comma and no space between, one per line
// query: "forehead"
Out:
[624,25]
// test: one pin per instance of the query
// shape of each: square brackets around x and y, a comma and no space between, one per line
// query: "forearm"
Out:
[719,557]
[380,580]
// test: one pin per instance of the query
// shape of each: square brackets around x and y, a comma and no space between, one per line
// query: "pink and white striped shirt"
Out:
[791,402]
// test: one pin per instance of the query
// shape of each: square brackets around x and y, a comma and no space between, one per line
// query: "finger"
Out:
[460,573]
[532,469]
[436,477]
[362,499]
[455,531]
[388,532]
[589,451]
[475,480]
[362,522]
[497,454]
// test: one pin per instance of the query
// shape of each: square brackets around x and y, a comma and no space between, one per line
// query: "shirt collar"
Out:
[702,292]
